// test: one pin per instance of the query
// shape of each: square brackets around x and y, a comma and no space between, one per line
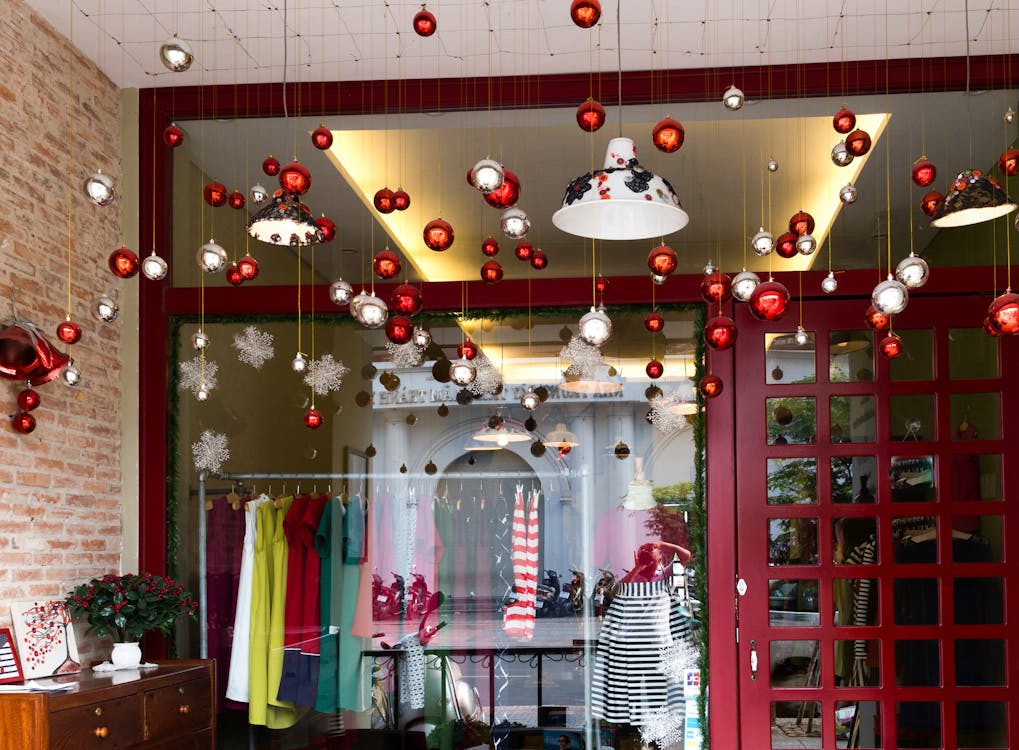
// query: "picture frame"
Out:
[44,638]
[10,665]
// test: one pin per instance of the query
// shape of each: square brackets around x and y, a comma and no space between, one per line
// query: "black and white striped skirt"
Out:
[628,681]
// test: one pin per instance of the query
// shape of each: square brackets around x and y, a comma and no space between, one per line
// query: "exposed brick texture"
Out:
[60,485]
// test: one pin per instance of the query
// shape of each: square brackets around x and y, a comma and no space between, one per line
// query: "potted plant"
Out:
[125,607]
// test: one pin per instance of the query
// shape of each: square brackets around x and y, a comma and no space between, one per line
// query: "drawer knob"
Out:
[185,709]
[101,732]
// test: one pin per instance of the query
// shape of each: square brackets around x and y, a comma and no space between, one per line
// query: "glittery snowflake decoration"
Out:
[662,726]
[191,375]
[668,412]
[210,452]
[584,359]
[488,379]
[325,375]
[404,355]
[254,347]
[675,660]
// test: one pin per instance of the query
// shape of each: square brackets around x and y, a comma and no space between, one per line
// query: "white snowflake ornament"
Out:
[487,379]
[668,412]
[583,358]
[676,659]
[210,452]
[254,347]
[404,355]
[325,375]
[662,726]
[194,377]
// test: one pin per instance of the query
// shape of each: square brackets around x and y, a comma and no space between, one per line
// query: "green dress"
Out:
[329,546]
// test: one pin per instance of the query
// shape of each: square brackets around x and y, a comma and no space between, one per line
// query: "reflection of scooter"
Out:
[576,589]
[547,596]
[418,597]
[385,604]
[604,592]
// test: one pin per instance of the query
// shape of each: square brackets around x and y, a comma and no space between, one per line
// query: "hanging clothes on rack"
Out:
[329,546]
[237,681]
[356,628]
[519,619]
[224,546]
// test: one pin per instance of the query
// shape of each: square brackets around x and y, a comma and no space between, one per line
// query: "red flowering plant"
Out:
[124,607]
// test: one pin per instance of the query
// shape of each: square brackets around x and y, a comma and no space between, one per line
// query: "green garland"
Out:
[699,530]
[173,480]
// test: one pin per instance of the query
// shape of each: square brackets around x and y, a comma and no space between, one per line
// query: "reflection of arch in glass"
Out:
[474,523]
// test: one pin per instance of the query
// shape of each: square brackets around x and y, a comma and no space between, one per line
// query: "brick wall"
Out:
[60,486]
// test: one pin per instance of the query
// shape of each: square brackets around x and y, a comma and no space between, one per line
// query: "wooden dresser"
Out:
[168,706]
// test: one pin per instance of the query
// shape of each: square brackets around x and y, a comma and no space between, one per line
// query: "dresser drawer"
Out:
[177,709]
[111,723]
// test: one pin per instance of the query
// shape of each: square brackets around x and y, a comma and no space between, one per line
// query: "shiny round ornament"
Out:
[652,392]
[258,194]
[69,332]
[321,138]
[785,245]
[1009,117]
[442,411]
[295,178]
[340,292]
[487,175]
[858,142]
[662,260]
[313,418]
[720,332]
[770,301]
[601,285]
[387,264]
[806,244]
[585,13]
[71,375]
[215,194]
[23,422]
[200,340]
[654,322]
[923,172]
[912,271]
[327,227]
[173,136]
[840,155]
[99,188]
[531,424]
[154,268]
[467,349]
[890,346]
[772,165]
[733,99]
[801,223]
[514,223]
[539,261]
[654,369]
[890,296]
[362,398]
[1003,313]
[176,54]
[124,263]
[931,202]
[506,194]
[422,338]
[530,401]
[590,116]
[401,200]
[876,320]
[843,121]
[668,135]
[438,235]
[490,247]
[462,372]
[105,309]
[710,386]
[763,242]
[236,200]
[595,327]
[370,311]
[716,287]
[424,22]
[1008,162]
[406,300]
[621,450]
[524,250]
[212,258]
[371,451]
[659,278]
[29,399]
[848,194]
[399,329]
[431,468]
[271,165]
[299,363]
[538,449]
[743,285]
[801,338]
[491,272]
[384,201]
[829,284]
[233,275]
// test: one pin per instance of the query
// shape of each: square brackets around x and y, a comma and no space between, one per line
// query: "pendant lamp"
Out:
[973,198]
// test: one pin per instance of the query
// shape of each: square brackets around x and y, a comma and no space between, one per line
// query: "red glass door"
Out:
[876,501]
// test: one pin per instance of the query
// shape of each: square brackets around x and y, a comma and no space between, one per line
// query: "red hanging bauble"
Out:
[720,332]
[406,300]
[654,322]
[1008,162]
[1004,313]
[890,346]
[385,201]
[654,369]
[769,301]
[236,199]
[785,245]
[321,138]
[876,320]
[467,349]
[668,135]
[124,263]
[843,121]
[490,247]
[590,116]
[931,202]
[990,329]
[248,267]
[662,260]
[173,136]
[271,165]
[491,272]
[505,195]
[327,227]
[539,261]
[710,386]
[524,250]
[424,22]
[399,329]
[923,172]
[585,13]
[858,142]
[716,287]
[401,200]
[801,223]
[438,235]
[69,332]
[295,178]
[313,418]
[387,264]
[23,422]
[601,285]
[29,399]
[233,275]
[215,194]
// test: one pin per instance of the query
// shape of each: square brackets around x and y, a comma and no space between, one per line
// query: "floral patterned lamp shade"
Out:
[284,220]
[622,201]
[974,198]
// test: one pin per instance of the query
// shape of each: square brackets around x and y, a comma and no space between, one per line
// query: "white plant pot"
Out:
[126,655]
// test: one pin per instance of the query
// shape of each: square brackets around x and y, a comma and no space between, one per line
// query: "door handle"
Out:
[753,660]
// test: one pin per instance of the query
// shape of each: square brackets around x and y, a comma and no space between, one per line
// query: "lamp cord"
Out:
[286,115]
[619,63]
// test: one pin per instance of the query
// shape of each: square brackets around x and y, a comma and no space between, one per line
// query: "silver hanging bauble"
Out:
[840,155]
[462,371]
[733,99]
[801,337]
[595,327]
[200,340]
[890,297]
[202,392]
[299,363]
[340,292]
[848,194]
[912,271]
[370,311]
[763,242]
[829,283]
[1009,115]
[772,165]
[661,278]
[71,374]
[99,188]
[176,55]
[806,244]
[515,223]
[258,194]
[105,309]
[487,175]
[153,267]
[530,400]
[421,337]
[743,285]
[709,268]
[212,258]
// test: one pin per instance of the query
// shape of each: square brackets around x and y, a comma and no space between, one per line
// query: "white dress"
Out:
[237,681]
